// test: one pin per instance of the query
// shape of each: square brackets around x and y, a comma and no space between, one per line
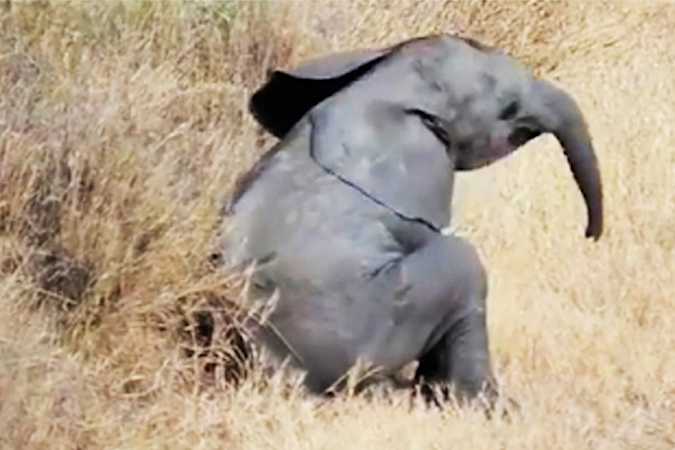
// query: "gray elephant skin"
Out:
[343,218]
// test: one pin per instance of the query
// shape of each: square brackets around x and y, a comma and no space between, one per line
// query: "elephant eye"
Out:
[509,112]
[433,124]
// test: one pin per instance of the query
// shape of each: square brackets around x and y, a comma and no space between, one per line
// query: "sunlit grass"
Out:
[122,128]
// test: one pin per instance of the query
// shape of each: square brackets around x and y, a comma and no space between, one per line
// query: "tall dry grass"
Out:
[122,127]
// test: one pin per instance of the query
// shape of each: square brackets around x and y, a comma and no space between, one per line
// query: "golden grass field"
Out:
[122,127]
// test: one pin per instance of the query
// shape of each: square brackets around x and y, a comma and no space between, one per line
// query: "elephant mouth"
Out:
[522,135]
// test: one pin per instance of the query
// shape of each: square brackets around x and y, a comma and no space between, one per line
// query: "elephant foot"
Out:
[489,400]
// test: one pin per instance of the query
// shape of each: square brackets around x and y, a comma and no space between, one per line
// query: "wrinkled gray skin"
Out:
[343,216]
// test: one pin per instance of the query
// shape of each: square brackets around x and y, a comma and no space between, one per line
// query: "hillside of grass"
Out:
[123,125]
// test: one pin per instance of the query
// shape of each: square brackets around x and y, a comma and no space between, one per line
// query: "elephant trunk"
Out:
[561,116]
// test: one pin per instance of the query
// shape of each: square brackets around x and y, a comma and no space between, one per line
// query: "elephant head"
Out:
[477,103]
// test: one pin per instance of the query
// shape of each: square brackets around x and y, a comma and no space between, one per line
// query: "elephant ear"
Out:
[385,154]
[288,95]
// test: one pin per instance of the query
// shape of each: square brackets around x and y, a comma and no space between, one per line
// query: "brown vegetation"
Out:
[123,126]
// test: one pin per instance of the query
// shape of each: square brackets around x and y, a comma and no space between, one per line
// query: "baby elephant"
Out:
[343,219]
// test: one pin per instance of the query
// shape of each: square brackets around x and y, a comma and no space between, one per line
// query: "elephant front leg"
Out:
[459,361]
[459,364]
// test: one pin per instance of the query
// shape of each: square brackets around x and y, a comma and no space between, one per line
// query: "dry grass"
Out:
[122,126]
